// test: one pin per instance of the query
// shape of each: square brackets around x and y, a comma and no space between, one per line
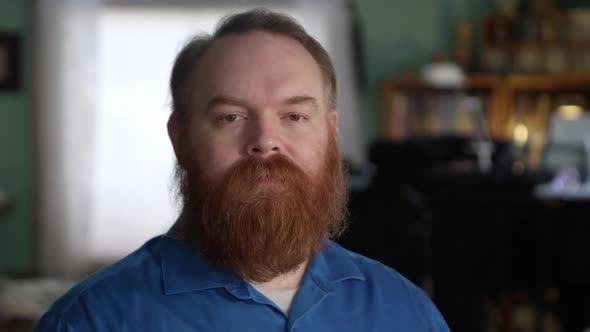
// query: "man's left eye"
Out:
[295,117]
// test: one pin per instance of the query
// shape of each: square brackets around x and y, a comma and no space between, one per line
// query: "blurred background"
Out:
[464,125]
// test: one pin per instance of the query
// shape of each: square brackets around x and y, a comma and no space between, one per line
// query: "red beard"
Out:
[267,216]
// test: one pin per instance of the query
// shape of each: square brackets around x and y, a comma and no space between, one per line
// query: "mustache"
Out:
[276,167]
[281,178]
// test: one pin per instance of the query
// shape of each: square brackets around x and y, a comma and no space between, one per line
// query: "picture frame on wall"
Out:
[9,62]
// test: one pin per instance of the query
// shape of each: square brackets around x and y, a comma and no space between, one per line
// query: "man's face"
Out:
[255,95]
[259,168]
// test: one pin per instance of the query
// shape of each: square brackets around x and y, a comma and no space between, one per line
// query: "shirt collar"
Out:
[331,265]
[184,270]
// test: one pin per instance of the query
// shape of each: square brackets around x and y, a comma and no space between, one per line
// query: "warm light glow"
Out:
[570,112]
[521,134]
[518,168]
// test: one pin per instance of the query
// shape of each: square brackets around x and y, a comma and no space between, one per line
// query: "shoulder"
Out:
[115,286]
[374,271]
[392,292]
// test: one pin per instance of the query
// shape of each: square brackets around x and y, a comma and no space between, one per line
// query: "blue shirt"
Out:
[166,286]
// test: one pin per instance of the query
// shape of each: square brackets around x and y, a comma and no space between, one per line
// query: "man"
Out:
[254,129]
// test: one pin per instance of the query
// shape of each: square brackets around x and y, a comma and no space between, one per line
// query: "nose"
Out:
[264,138]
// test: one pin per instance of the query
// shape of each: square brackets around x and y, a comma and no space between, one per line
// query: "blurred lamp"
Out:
[520,135]
[570,112]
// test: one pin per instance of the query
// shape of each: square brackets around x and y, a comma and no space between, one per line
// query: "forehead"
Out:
[260,66]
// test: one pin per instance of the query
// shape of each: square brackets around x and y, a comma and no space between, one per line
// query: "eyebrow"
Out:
[226,100]
[298,100]
[234,101]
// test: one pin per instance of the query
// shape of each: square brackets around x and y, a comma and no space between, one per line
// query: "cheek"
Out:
[310,156]
[214,158]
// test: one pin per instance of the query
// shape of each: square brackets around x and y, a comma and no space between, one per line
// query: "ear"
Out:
[333,121]
[173,126]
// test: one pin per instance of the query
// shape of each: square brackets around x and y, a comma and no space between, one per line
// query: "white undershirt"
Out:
[282,297]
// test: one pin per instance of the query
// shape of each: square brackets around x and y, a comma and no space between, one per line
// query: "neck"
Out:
[289,280]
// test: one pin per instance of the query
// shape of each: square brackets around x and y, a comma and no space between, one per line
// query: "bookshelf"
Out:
[416,96]
[504,99]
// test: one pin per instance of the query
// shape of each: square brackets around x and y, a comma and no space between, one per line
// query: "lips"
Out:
[266,182]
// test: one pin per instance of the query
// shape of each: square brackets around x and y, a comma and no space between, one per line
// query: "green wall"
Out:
[398,33]
[16,154]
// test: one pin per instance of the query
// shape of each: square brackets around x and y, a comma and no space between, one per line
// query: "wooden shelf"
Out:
[548,83]
[501,92]
[485,81]
[473,82]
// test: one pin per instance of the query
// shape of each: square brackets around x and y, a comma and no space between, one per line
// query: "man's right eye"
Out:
[230,117]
